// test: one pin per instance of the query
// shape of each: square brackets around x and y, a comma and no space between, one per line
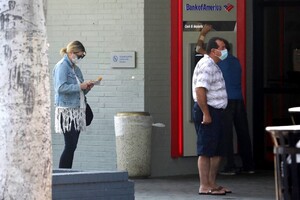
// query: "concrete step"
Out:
[89,185]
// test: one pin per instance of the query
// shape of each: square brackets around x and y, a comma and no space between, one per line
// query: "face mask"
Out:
[224,54]
[75,59]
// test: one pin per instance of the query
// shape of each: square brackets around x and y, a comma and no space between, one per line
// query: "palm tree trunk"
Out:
[25,131]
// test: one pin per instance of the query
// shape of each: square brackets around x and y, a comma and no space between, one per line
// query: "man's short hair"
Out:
[227,45]
[212,44]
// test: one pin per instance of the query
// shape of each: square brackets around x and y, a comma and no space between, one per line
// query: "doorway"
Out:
[276,70]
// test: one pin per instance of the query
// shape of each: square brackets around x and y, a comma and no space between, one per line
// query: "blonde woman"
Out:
[70,89]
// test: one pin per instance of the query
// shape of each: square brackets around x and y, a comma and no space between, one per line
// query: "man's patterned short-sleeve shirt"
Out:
[208,75]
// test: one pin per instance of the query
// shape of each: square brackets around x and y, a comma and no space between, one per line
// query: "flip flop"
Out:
[213,191]
[220,188]
[204,193]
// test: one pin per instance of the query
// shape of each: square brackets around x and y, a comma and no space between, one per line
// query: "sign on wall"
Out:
[122,59]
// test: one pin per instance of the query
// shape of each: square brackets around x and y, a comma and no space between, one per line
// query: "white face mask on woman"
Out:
[75,59]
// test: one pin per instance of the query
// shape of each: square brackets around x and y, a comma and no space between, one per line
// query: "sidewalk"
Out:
[258,186]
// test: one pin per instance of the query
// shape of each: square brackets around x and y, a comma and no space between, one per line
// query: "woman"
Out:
[70,90]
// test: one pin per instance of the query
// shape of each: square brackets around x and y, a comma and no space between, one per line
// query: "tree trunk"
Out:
[25,132]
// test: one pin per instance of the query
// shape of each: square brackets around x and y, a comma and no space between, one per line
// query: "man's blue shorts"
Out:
[208,136]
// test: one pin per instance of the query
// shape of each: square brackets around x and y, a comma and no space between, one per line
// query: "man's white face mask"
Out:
[224,54]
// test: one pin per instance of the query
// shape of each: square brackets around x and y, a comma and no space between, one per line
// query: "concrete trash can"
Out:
[133,143]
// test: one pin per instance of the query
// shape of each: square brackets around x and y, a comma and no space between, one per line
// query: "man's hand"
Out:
[206,28]
[206,119]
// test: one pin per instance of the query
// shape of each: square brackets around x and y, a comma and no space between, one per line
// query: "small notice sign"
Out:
[122,59]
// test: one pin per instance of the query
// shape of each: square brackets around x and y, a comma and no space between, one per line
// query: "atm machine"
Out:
[222,16]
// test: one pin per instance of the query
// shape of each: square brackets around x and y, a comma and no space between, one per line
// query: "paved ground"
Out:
[258,186]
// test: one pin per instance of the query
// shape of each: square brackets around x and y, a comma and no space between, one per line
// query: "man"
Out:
[235,112]
[235,115]
[209,94]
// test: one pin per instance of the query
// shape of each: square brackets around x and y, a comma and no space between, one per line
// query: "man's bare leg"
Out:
[214,167]
[207,172]
[203,169]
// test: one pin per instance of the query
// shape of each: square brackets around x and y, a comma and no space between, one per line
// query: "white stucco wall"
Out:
[103,26]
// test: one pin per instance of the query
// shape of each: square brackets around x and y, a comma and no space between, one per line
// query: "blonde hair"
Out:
[74,46]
